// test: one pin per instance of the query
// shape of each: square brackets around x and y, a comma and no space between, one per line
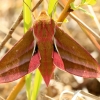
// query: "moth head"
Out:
[43,16]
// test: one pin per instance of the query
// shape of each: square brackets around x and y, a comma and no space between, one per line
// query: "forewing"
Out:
[76,59]
[16,61]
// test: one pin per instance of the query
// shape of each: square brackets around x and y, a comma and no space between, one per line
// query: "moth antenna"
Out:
[29,8]
[54,9]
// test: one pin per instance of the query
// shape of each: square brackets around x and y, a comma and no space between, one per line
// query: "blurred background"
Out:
[9,12]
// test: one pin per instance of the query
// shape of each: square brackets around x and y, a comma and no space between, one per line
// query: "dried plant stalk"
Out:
[13,27]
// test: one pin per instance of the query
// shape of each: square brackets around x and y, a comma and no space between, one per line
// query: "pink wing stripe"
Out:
[58,61]
[34,62]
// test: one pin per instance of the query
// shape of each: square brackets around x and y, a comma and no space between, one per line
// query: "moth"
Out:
[46,46]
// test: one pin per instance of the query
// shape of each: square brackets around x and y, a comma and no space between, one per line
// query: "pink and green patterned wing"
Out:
[76,59]
[15,63]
